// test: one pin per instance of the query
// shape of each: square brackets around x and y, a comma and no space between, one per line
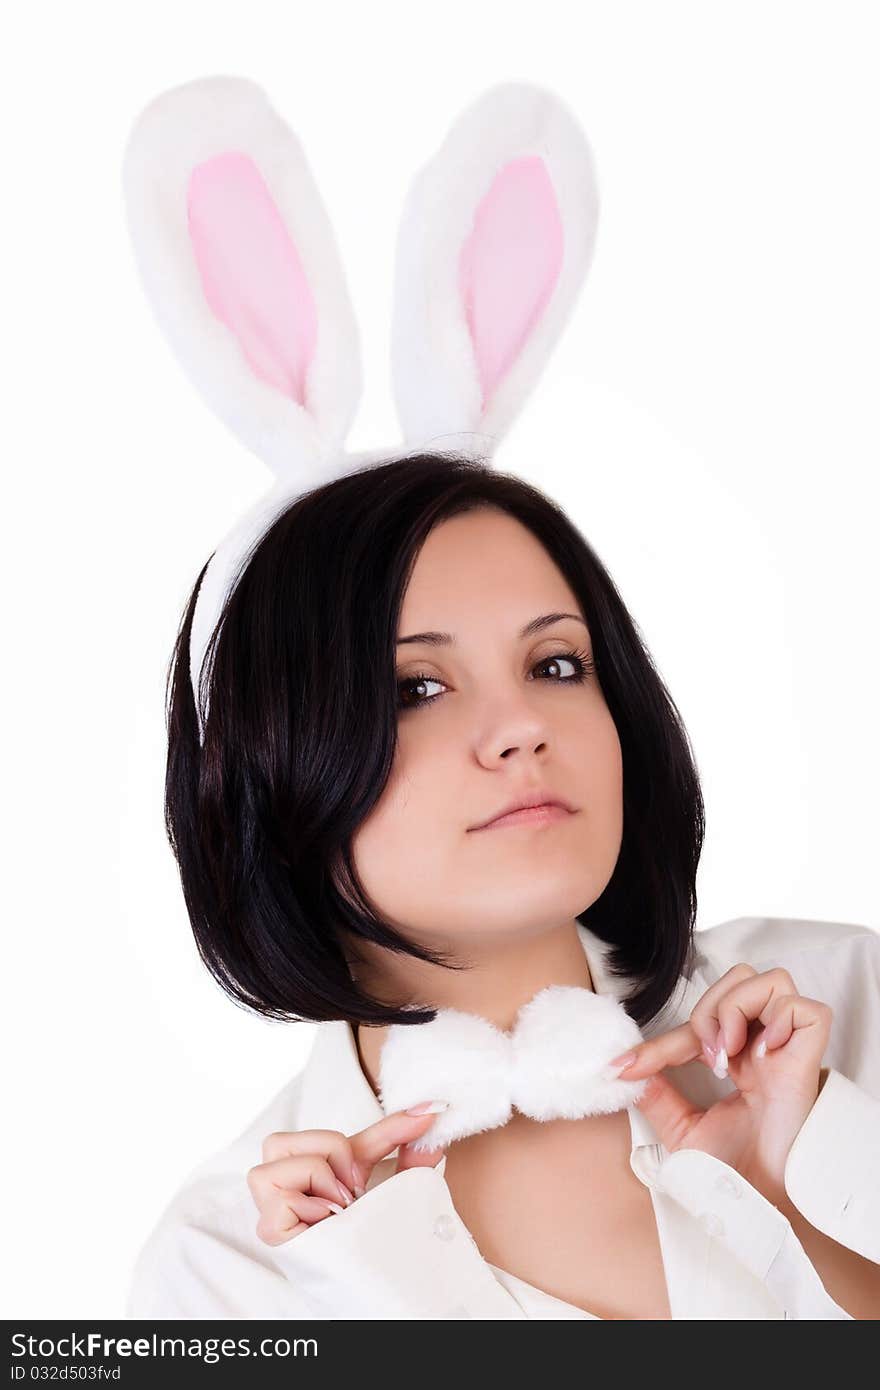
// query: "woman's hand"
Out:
[308,1174]
[753,1128]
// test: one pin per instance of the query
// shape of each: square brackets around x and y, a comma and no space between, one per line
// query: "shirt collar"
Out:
[336,1094]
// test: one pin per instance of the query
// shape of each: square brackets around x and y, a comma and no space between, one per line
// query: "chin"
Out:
[526,899]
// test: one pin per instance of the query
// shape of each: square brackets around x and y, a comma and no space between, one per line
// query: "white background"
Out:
[709,420]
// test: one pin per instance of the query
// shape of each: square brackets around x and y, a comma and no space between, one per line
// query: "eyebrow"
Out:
[446,639]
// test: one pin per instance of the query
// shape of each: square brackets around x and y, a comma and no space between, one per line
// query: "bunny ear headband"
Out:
[239,262]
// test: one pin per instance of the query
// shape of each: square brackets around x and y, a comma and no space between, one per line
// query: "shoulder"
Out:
[759,939]
[836,962]
[203,1257]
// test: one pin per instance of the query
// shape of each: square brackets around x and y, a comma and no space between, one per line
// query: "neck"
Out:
[499,978]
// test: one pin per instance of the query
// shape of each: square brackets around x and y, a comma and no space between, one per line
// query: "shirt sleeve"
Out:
[202,1268]
[754,1230]
[832,1173]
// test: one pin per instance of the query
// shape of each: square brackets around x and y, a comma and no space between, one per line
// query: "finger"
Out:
[378,1140]
[329,1144]
[704,1015]
[794,1013]
[724,1004]
[750,1000]
[418,1158]
[671,1114]
[670,1049]
[307,1173]
[285,1216]
[685,1043]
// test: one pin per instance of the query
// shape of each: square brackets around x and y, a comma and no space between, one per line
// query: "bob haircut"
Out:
[301,735]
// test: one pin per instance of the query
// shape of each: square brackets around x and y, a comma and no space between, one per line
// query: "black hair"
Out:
[300,736]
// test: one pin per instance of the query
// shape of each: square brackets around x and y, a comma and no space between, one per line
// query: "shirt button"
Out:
[444,1228]
[728,1185]
[711,1224]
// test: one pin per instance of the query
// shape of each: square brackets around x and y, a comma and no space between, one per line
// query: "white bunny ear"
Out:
[495,240]
[239,262]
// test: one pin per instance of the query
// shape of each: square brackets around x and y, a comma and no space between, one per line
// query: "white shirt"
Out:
[403,1252]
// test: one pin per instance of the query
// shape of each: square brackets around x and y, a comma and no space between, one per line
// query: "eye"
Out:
[581,661]
[404,686]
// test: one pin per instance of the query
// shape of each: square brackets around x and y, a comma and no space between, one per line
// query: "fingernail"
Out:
[357,1178]
[347,1197]
[619,1064]
[334,1206]
[709,1054]
[761,1049]
[428,1107]
[720,1068]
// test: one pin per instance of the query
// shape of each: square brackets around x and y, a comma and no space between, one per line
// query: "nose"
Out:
[517,731]
[506,752]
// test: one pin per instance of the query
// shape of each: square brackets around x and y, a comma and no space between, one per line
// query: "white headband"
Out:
[239,262]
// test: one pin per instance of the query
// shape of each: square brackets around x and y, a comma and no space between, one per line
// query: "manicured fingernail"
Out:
[619,1064]
[334,1206]
[761,1049]
[429,1107]
[720,1068]
[709,1054]
[347,1197]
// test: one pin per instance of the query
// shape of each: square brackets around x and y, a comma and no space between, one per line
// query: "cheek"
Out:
[609,757]
[599,784]
[400,851]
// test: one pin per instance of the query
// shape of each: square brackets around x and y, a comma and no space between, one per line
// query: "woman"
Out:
[327,844]
[336,762]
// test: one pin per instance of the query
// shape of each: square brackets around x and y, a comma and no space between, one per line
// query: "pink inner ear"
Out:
[251,272]
[509,265]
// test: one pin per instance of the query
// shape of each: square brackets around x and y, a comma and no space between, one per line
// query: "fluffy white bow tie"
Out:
[552,1065]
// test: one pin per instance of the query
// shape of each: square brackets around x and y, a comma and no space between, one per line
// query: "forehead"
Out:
[482,562]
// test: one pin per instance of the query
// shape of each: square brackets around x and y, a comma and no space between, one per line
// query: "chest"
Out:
[568,1217]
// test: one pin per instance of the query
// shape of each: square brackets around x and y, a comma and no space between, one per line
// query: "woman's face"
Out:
[509,719]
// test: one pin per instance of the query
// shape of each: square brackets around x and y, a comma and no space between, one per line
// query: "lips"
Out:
[537,802]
